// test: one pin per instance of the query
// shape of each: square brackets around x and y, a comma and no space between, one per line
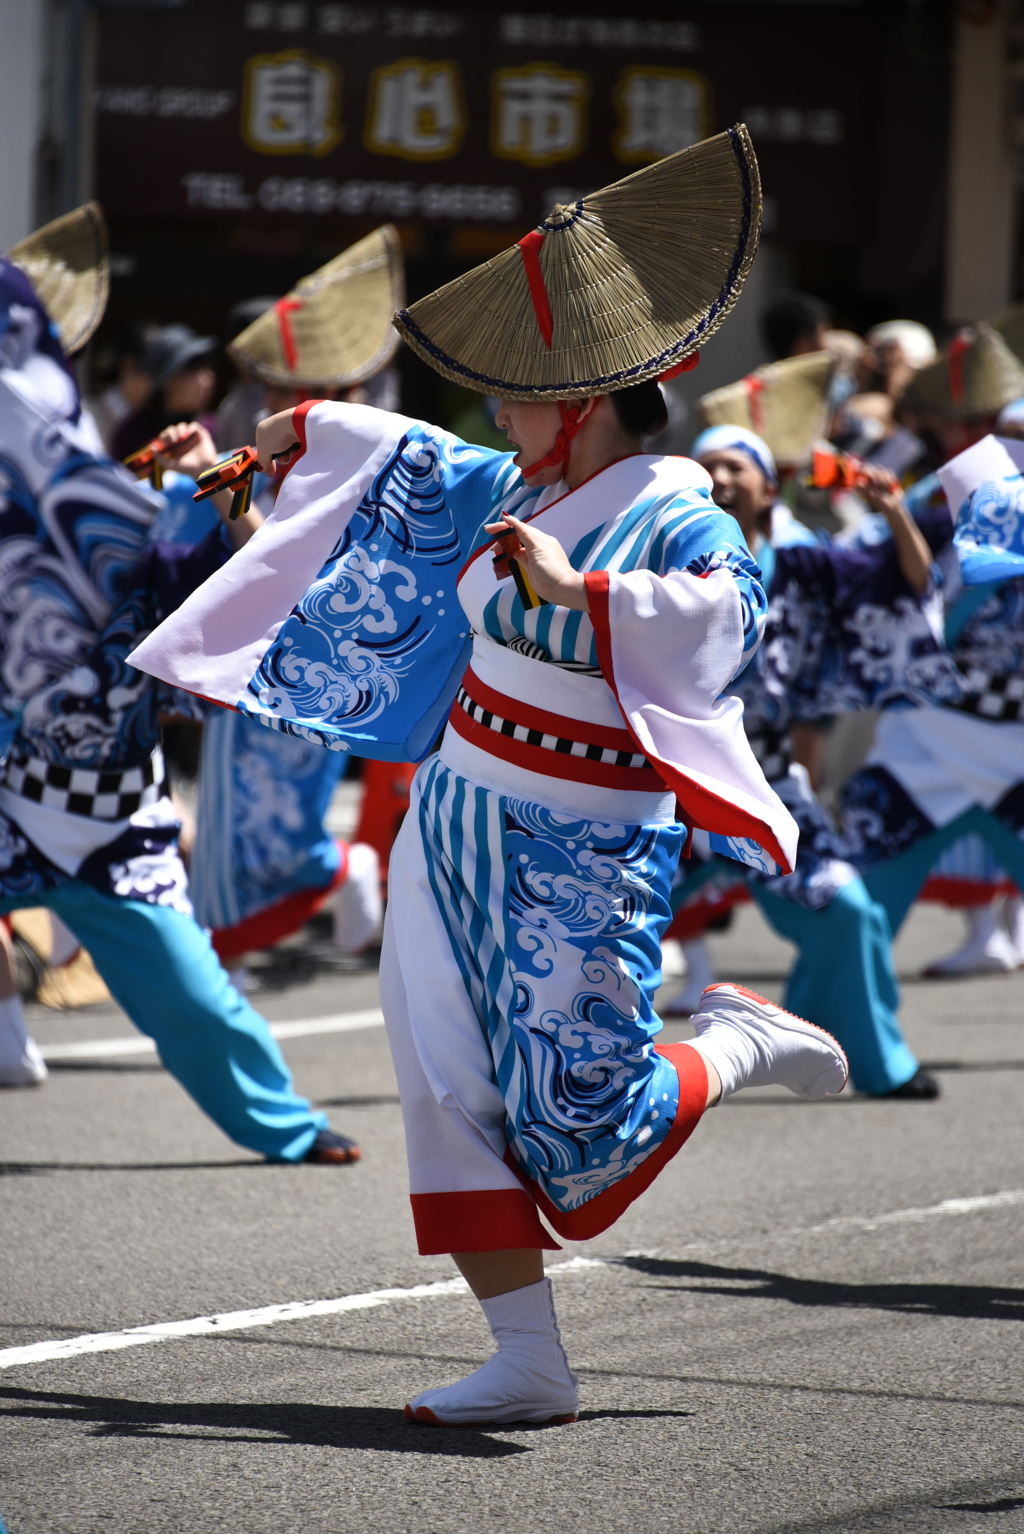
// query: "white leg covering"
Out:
[527,1380]
[21,1064]
[358,908]
[700,972]
[988,950]
[753,1043]
[1013,916]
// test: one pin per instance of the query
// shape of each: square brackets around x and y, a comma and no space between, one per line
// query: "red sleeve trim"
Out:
[601,1211]
[701,807]
[486,1220]
[299,415]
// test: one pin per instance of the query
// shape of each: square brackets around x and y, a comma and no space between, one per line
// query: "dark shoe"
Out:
[330,1149]
[921,1087]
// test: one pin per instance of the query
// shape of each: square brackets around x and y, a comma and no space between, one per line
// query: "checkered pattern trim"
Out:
[521,732]
[773,752]
[992,697]
[77,791]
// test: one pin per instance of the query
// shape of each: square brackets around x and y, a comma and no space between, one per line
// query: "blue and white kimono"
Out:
[529,884]
[83,813]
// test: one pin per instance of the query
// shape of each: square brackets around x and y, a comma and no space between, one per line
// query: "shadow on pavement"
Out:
[973,1065]
[337,1427]
[961,1300]
[385,1100]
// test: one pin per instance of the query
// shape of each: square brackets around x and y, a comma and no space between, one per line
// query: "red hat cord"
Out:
[957,347]
[572,421]
[284,308]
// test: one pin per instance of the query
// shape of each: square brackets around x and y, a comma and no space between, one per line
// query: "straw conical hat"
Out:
[334,327]
[786,403]
[66,262]
[1010,325]
[975,375]
[619,287]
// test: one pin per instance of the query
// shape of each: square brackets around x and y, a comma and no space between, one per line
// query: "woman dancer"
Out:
[529,883]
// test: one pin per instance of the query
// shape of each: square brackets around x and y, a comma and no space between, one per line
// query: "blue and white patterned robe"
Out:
[535,899]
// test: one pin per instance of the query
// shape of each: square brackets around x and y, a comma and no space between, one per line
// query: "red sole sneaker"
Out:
[425,1417]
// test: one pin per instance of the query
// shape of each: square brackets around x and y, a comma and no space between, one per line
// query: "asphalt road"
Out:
[760,1350]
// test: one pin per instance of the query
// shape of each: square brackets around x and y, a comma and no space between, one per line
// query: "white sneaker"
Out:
[988,950]
[753,1043]
[21,1064]
[28,1070]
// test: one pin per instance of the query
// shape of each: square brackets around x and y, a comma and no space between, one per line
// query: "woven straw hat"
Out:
[621,286]
[976,374]
[785,402]
[66,263]
[334,327]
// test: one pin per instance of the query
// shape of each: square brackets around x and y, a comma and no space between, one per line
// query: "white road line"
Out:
[138,1044]
[948,1206]
[242,1320]
[298,1310]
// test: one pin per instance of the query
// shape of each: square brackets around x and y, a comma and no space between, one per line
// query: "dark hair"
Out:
[641,409]
[790,316]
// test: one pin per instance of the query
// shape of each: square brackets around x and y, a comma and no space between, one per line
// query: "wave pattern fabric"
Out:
[554,923]
[260,833]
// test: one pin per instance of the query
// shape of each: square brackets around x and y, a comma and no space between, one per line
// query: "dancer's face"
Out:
[532,427]
[739,487]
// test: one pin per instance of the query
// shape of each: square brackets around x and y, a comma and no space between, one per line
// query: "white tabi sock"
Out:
[527,1380]
[753,1043]
[21,1064]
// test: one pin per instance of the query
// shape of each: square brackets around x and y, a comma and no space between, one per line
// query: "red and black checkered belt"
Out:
[549,744]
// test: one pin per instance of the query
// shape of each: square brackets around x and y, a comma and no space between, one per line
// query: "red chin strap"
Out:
[559,454]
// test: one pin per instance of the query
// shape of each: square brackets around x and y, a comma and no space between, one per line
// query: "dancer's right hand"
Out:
[276,442]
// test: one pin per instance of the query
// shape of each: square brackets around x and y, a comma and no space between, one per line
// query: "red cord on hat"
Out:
[686,366]
[755,388]
[283,309]
[559,454]
[957,347]
[530,246]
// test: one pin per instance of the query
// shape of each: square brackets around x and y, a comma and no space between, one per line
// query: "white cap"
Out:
[916,340]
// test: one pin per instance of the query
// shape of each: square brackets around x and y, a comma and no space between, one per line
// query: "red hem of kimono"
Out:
[964,893]
[275,922]
[692,921]
[601,1211]
[482,1220]
[702,808]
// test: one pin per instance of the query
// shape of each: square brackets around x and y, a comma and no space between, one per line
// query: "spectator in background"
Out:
[129,392]
[895,352]
[179,363]
[243,407]
[794,324]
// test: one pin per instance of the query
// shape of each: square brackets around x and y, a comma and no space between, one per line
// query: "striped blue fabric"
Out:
[555,926]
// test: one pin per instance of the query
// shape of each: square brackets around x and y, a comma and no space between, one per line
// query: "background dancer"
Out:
[85,827]
[843,976]
[530,880]
[264,861]
[939,774]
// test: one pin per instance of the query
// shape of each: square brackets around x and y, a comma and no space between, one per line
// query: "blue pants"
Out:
[159,966]
[895,884]
[844,981]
